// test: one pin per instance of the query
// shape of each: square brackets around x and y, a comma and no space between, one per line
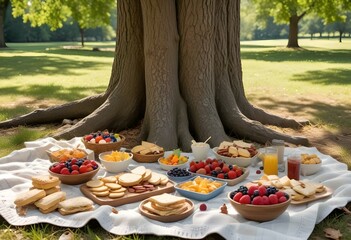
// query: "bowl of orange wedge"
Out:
[173,159]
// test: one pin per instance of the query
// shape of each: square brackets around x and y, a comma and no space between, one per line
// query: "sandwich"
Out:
[166,205]
[50,202]
[74,205]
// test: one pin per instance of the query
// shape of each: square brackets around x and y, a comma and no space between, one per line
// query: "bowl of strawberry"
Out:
[74,171]
[219,170]
[259,203]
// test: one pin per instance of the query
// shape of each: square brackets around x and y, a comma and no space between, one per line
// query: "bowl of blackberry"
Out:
[179,174]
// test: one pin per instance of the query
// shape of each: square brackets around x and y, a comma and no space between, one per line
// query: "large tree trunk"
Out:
[293,31]
[3,7]
[177,67]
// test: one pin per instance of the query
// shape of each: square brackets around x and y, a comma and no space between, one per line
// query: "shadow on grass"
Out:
[49,65]
[333,76]
[335,115]
[331,56]
[39,92]
[255,46]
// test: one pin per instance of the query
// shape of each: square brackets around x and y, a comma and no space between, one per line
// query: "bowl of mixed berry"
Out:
[179,174]
[259,203]
[74,171]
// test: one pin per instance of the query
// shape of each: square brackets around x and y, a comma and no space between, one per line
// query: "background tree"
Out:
[312,24]
[3,6]
[292,11]
[177,66]
[87,13]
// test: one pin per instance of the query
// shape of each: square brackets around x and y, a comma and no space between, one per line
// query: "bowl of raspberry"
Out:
[259,203]
[74,171]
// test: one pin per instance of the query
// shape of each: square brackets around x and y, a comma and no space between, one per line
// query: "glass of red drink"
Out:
[294,164]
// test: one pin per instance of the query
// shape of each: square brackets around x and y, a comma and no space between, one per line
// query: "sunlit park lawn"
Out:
[313,83]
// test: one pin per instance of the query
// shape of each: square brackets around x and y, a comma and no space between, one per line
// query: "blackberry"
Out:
[226,176]
[232,194]
[256,193]
[230,167]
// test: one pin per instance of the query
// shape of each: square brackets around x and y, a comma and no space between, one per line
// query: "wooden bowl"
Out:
[104,147]
[62,155]
[147,158]
[76,179]
[260,213]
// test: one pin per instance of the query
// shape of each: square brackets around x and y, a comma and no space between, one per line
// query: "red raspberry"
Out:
[262,190]
[86,162]
[258,171]
[265,200]
[273,199]
[83,169]
[203,207]
[237,196]
[75,172]
[208,161]
[88,137]
[192,163]
[218,169]
[245,199]
[282,199]
[280,194]
[220,175]
[65,171]
[214,165]
[252,189]
[232,175]
[200,165]
[257,200]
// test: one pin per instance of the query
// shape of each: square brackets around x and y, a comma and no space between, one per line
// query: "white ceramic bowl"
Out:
[115,167]
[239,161]
[169,167]
[200,150]
[310,169]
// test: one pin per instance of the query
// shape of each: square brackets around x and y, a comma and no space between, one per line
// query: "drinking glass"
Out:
[270,161]
[294,165]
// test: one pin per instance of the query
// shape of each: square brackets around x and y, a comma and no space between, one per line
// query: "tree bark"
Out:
[293,31]
[3,7]
[81,32]
[340,36]
[177,67]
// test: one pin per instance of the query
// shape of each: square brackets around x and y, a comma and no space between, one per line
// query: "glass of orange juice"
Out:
[270,161]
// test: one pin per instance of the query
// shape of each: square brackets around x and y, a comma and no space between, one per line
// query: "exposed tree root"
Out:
[72,110]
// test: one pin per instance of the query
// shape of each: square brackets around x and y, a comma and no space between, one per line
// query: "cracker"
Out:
[101,194]
[109,179]
[122,189]
[113,186]
[99,189]
[94,183]
[116,195]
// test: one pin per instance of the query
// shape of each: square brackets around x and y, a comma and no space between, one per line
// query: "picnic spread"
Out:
[227,190]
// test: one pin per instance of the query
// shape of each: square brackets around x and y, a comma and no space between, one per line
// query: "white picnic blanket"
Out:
[297,222]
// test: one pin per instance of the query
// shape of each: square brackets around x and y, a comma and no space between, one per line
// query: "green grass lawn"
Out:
[313,82]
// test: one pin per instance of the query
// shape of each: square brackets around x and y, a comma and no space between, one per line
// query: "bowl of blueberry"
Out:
[259,203]
[179,174]
[74,171]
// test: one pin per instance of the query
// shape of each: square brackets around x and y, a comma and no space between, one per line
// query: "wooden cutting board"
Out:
[128,197]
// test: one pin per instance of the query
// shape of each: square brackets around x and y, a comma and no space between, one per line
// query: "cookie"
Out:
[122,189]
[116,195]
[113,186]
[101,194]
[94,183]
[109,179]
[99,189]
[29,197]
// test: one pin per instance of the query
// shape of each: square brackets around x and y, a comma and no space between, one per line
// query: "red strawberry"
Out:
[65,171]
[75,172]
[232,175]
[225,169]
[220,175]
[193,168]
[280,194]
[74,161]
[218,169]
[257,200]
[237,196]
[75,167]
[192,163]
[238,172]
[208,161]
[207,168]
[245,199]
[83,169]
